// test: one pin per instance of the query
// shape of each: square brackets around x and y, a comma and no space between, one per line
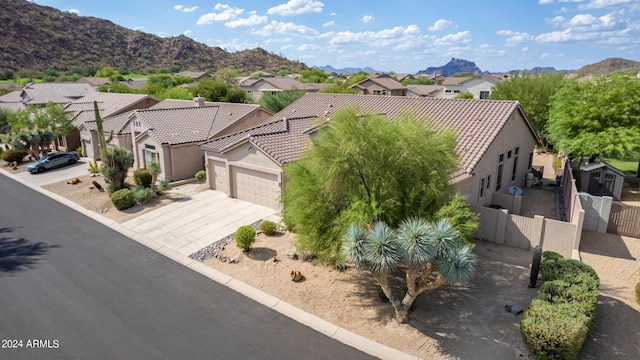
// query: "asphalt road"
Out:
[79,290]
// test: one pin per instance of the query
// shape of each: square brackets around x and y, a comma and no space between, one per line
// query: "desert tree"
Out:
[534,92]
[363,168]
[600,118]
[430,253]
[280,100]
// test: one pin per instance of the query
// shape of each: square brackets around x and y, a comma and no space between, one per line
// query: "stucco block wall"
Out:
[596,212]
[559,237]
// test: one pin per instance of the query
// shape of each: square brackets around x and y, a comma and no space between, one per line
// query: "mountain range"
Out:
[39,37]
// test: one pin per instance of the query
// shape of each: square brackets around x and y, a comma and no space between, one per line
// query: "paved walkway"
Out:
[199,220]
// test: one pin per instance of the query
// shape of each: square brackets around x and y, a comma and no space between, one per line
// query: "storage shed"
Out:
[601,179]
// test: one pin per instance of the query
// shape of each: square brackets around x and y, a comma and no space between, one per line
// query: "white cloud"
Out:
[556,21]
[546,1]
[296,7]
[368,19]
[138,28]
[461,37]
[279,27]
[328,24]
[236,45]
[187,32]
[524,49]
[185,9]
[599,4]
[250,21]
[226,13]
[582,20]
[514,37]
[309,47]
[286,47]
[545,55]
[441,24]
[74,11]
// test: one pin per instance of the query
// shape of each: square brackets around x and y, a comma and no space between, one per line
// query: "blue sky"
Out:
[404,37]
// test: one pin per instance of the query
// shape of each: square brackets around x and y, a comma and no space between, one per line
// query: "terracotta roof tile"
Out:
[476,122]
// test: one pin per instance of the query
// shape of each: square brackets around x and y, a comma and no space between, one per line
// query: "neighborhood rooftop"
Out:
[285,135]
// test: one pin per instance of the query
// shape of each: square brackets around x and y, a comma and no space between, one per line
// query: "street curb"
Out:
[333,331]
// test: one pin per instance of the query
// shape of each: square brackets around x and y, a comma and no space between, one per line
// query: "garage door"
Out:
[220,176]
[255,186]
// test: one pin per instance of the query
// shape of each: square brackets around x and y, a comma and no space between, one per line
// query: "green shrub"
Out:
[122,199]
[550,255]
[142,195]
[201,176]
[245,236]
[142,177]
[638,293]
[557,323]
[12,155]
[553,331]
[268,227]
[164,186]
[93,168]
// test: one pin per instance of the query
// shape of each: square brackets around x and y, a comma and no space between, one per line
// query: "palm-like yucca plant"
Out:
[433,254]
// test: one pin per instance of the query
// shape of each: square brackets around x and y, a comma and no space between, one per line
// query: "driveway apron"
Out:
[198,220]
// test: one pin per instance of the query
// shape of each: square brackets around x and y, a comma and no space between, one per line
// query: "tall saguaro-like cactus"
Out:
[116,161]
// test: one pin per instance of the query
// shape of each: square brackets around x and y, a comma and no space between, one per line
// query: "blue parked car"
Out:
[54,160]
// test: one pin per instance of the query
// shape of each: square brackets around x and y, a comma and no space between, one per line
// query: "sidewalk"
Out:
[170,245]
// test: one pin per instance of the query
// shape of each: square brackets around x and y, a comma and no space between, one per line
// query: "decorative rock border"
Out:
[214,249]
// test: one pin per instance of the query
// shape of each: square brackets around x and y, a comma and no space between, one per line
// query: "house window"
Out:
[150,154]
[509,154]
[448,91]
[515,163]
[488,181]
[500,168]
[530,160]
[376,92]
[484,94]
[482,185]
[384,92]
[456,91]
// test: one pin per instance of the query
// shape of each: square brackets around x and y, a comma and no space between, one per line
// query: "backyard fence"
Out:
[624,220]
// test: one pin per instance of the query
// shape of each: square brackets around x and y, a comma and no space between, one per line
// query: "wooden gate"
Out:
[624,220]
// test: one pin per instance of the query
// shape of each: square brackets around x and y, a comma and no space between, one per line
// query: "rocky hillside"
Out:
[39,37]
[609,65]
[455,66]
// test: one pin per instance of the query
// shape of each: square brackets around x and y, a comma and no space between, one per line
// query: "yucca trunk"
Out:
[419,281]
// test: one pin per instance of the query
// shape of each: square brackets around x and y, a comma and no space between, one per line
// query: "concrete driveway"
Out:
[199,220]
[55,175]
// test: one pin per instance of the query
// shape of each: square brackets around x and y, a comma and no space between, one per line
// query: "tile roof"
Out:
[86,119]
[424,90]
[109,103]
[119,124]
[42,93]
[185,125]
[476,122]
[94,81]
[383,81]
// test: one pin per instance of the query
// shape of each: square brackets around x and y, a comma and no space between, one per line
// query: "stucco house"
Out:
[479,86]
[39,94]
[379,85]
[495,144]
[171,133]
[433,91]
[109,104]
[273,85]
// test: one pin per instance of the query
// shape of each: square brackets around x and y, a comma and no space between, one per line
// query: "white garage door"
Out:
[220,176]
[255,186]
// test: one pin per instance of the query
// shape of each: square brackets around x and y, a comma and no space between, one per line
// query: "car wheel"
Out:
[41,169]
[71,162]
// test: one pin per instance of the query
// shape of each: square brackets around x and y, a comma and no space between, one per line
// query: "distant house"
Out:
[94,81]
[109,105]
[495,144]
[433,91]
[194,75]
[379,85]
[273,85]
[479,86]
[39,94]
[172,131]
[403,77]
[134,83]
